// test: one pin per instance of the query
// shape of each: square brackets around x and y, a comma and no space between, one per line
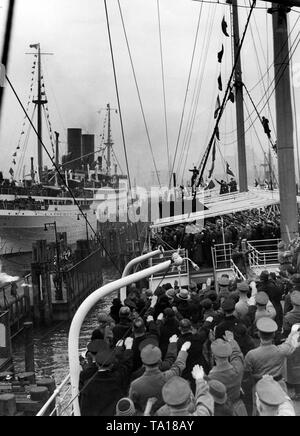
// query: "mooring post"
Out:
[29,347]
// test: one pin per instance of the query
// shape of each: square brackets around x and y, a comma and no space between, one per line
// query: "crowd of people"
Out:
[195,351]
[233,228]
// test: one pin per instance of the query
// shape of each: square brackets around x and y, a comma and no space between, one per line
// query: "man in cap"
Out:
[274,293]
[222,406]
[89,364]
[123,329]
[105,326]
[100,396]
[150,384]
[293,361]
[229,369]
[242,306]
[223,285]
[179,398]
[197,340]
[269,359]
[271,399]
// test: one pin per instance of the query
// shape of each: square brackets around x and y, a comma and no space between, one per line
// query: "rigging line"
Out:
[189,132]
[84,215]
[6,43]
[267,72]
[296,128]
[117,160]
[25,145]
[139,94]
[186,95]
[256,110]
[125,335]
[280,73]
[119,107]
[189,118]
[164,87]
[47,124]
[225,99]
[117,92]
[261,146]
[260,70]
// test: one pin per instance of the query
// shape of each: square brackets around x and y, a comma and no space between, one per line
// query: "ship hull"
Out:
[20,230]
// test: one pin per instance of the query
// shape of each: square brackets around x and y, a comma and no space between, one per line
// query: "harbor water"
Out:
[51,345]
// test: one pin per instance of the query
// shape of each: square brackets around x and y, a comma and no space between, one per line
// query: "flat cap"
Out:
[185,324]
[97,345]
[124,311]
[295,298]
[266,325]
[261,298]
[224,281]
[103,317]
[150,340]
[228,305]
[105,357]
[218,391]
[176,391]
[270,392]
[221,348]
[243,287]
[264,275]
[150,355]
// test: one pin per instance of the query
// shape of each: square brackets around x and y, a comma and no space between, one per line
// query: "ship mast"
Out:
[242,158]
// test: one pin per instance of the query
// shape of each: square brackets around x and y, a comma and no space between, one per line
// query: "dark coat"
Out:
[99,398]
[122,330]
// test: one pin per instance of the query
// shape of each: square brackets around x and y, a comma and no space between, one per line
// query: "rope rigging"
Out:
[224,102]
[139,94]
[185,98]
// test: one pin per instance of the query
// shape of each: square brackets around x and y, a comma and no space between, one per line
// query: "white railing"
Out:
[237,272]
[222,254]
[262,253]
[58,399]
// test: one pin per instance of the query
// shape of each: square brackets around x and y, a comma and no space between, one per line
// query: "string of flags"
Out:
[15,154]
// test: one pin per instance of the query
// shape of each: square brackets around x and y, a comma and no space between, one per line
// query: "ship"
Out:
[68,198]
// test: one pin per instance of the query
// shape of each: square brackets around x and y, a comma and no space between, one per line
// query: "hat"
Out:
[295,298]
[206,304]
[150,355]
[150,340]
[184,295]
[149,293]
[228,305]
[139,326]
[243,287]
[130,303]
[176,391]
[224,281]
[97,345]
[124,311]
[125,407]
[171,293]
[218,391]
[261,298]
[185,324]
[221,348]
[169,313]
[270,392]
[193,285]
[103,317]
[264,276]
[105,357]
[266,325]
[295,279]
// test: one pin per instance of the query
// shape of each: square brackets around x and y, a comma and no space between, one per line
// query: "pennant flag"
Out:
[224,27]
[231,96]
[34,46]
[211,185]
[11,172]
[14,162]
[217,133]
[220,54]
[18,148]
[218,107]
[213,161]
[220,85]
[228,170]
[15,155]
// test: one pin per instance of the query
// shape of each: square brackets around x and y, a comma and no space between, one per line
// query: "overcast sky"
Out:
[79,77]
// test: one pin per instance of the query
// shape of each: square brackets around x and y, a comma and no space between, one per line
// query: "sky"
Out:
[79,78]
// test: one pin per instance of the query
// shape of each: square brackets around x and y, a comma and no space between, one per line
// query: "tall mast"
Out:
[109,142]
[39,103]
[242,163]
[284,120]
